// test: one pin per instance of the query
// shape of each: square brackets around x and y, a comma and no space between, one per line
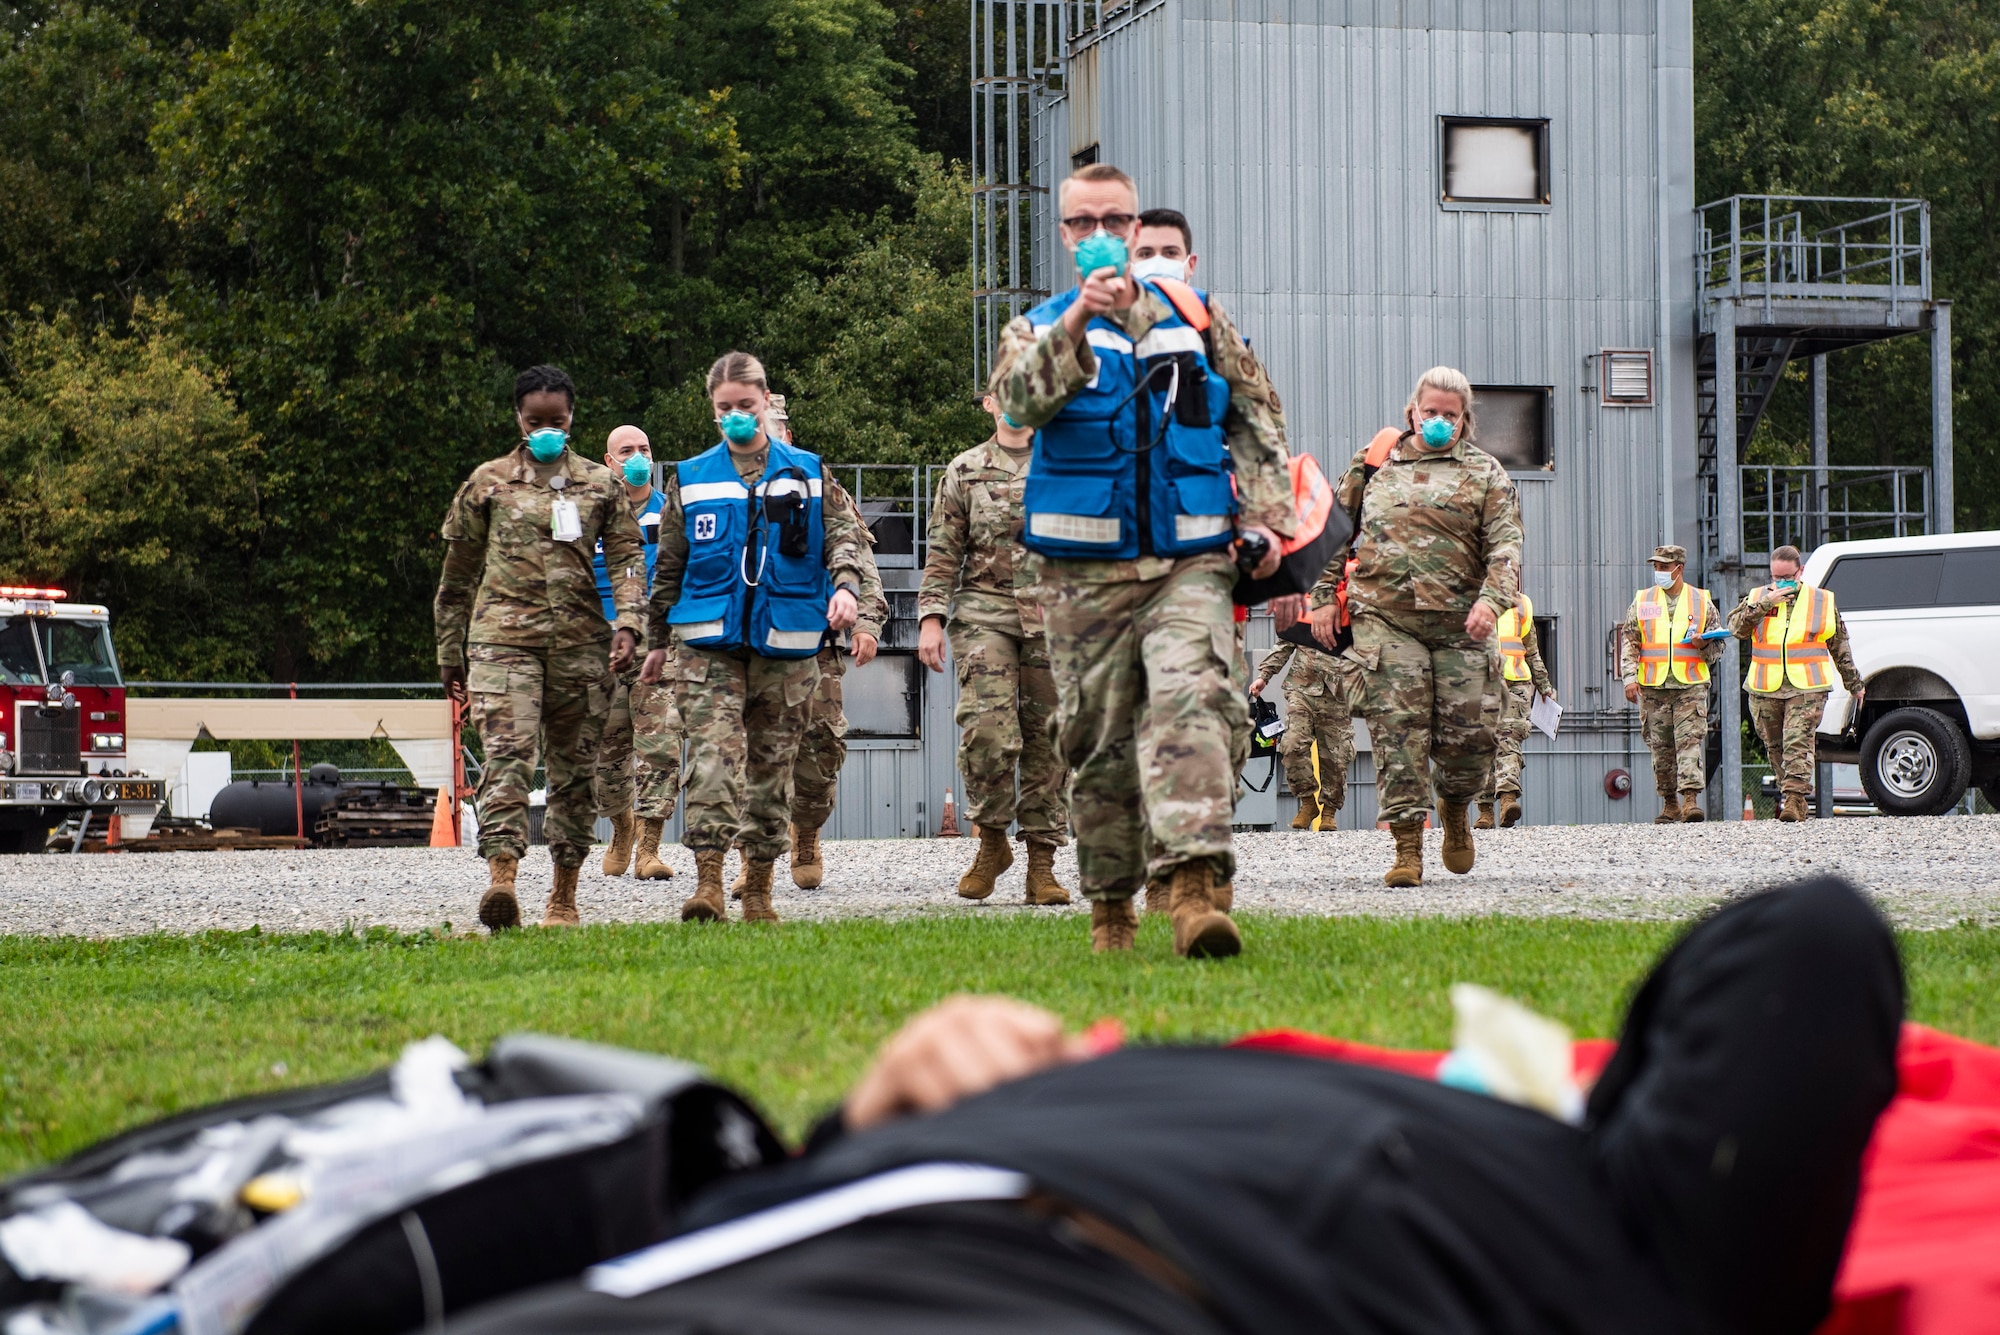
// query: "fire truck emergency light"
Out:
[16,591]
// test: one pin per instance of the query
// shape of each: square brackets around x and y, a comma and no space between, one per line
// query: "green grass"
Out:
[96,1036]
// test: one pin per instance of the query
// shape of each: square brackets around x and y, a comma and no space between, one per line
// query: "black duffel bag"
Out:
[382,1204]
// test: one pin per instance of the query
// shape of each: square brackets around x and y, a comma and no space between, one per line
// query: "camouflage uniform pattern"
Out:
[1787,719]
[1141,648]
[1318,710]
[978,578]
[1515,700]
[1439,531]
[744,715]
[520,612]
[639,752]
[816,772]
[1673,716]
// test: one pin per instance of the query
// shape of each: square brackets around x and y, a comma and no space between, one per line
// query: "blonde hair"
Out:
[1452,381]
[737,368]
[1098,171]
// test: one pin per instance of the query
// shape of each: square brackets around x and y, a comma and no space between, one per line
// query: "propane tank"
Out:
[268,807]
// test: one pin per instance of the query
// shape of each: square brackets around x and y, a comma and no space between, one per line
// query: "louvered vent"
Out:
[1628,377]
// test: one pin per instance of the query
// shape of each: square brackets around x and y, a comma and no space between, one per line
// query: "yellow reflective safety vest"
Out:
[1790,644]
[1666,627]
[1513,632]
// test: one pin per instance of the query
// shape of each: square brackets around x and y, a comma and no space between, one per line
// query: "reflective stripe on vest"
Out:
[1664,631]
[1513,640]
[1135,462]
[1789,646]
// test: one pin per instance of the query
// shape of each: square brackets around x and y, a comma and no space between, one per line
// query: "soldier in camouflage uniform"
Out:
[1669,681]
[1785,711]
[976,590]
[1140,647]
[522,638]
[638,777]
[1317,712]
[823,750]
[1439,550]
[745,712]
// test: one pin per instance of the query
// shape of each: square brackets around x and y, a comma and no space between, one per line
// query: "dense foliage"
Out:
[268,266]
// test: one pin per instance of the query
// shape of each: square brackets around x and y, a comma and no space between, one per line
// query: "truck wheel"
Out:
[22,841]
[1914,763]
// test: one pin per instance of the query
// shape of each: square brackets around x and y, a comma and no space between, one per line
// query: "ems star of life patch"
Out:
[704,527]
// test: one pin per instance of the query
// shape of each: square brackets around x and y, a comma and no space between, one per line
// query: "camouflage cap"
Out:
[1670,555]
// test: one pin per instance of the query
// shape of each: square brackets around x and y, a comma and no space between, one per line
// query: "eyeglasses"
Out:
[1110,222]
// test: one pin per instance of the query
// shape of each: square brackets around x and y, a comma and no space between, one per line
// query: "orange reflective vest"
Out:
[1666,627]
[1790,645]
[1513,632]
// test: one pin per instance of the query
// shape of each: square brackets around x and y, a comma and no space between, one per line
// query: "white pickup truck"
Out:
[1923,616]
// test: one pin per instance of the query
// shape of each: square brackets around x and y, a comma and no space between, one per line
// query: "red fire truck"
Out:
[62,724]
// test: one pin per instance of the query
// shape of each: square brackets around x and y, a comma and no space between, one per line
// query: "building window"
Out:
[1083,157]
[1495,161]
[1545,638]
[1513,424]
[885,698]
[1625,377]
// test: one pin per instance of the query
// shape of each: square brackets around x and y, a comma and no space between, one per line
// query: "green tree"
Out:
[1871,98]
[127,477]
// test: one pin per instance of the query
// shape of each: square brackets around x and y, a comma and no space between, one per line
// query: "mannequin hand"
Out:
[962,1046]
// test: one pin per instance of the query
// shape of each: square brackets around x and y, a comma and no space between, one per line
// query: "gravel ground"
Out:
[1925,873]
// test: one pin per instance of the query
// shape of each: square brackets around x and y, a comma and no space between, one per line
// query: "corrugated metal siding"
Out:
[1301,139]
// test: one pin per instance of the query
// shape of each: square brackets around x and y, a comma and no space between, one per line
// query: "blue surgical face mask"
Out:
[1101,250]
[638,470]
[1787,585]
[1437,432]
[1159,266]
[547,443]
[738,427]
[1664,578]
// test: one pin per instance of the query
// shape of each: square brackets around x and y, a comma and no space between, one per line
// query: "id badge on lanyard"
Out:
[564,523]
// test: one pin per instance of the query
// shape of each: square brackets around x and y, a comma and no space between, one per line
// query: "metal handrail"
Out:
[1744,248]
[1806,505]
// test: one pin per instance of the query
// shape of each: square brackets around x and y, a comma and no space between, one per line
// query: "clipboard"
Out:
[1545,714]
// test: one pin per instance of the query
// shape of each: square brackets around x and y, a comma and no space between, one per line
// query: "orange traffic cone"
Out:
[948,827]
[1749,808]
[442,833]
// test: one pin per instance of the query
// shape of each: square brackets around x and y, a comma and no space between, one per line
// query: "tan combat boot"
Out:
[1201,929]
[1043,888]
[1485,821]
[646,863]
[707,904]
[742,872]
[1458,850]
[562,899]
[1332,797]
[808,870]
[1113,925]
[1794,809]
[1510,810]
[498,909]
[757,890]
[993,858]
[1408,869]
[1308,812]
[1691,809]
[1159,895]
[618,856]
[1670,813]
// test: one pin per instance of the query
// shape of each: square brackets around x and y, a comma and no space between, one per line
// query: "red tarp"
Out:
[1924,1256]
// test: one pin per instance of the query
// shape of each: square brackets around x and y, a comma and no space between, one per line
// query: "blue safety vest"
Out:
[756,571]
[1121,473]
[649,537]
